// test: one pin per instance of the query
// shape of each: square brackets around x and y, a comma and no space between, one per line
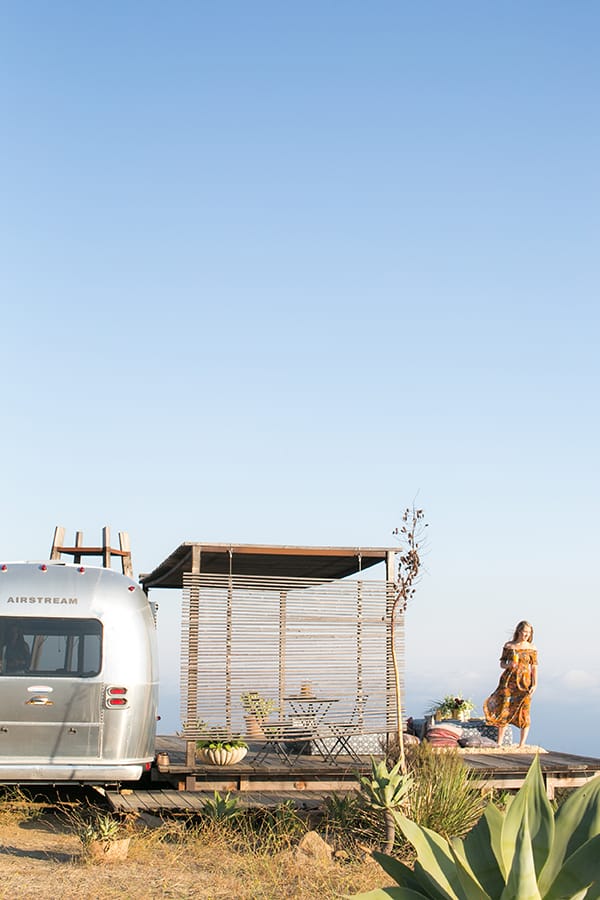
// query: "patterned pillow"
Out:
[443,737]
[477,740]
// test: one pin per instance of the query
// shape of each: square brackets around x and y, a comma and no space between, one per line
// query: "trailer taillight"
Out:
[116,697]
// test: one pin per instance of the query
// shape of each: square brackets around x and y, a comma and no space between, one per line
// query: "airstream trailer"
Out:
[78,674]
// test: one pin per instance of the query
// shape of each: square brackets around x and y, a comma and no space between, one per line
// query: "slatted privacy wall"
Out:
[280,637]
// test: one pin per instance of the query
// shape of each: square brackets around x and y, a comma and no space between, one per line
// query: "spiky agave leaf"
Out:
[472,889]
[436,865]
[401,874]
[578,872]
[531,803]
[521,882]
[577,820]
[481,849]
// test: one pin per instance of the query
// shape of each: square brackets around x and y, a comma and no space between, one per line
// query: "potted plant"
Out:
[453,707]
[103,839]
[224,752]
[258,710]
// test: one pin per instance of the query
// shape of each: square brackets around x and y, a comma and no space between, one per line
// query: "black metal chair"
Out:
[286,740]
[337,736]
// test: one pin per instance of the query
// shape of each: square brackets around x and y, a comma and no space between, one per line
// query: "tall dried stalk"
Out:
[410,534]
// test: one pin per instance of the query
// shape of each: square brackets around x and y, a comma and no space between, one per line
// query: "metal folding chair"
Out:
[286,740]
[341,733]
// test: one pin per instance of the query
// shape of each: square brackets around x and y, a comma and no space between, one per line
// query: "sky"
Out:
[272,272]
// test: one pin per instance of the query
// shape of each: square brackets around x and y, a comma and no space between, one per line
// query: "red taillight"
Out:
[131,587]
[116,697]
[4,568]
[44,567]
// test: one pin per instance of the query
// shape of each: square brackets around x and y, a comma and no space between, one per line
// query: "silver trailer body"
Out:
[78,674]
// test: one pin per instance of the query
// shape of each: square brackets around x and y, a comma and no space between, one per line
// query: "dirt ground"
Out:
[42,858]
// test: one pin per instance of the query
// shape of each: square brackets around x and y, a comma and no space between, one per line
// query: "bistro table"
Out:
[311,710]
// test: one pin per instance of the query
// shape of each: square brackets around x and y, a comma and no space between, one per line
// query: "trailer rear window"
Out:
[57,647]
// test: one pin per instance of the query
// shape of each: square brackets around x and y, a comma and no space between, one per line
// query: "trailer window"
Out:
[58,647]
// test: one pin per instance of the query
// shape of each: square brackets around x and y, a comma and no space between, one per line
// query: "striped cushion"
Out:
[443,737]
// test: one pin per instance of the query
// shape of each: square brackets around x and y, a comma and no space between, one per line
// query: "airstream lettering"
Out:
[78,674]
[70,600]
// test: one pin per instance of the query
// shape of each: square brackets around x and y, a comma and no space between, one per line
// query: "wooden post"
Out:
[359,652]
[106,547]
[282,648]
[228,644]
[78,543]
[125,546]
[390,704]
[191,705]
[57,542]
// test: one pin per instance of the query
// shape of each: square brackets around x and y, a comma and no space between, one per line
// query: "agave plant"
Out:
[386,791]
[527,852]
[220,808]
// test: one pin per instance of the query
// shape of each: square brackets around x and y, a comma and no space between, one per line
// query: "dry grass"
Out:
[41,857]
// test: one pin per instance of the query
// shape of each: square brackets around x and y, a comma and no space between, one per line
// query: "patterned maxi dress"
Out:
[510,702]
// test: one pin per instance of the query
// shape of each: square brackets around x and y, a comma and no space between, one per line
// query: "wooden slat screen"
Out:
[274,635]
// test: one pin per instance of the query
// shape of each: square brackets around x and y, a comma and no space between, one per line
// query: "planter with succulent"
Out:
[224,752]
[103,839]
[258,710]
[452,707]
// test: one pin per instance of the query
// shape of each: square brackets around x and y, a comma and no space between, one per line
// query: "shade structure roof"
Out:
[263,560]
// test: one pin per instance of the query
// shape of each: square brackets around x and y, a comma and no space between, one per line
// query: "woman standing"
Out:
[510,702]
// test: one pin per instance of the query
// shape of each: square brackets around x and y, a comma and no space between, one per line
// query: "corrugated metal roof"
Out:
[255,559]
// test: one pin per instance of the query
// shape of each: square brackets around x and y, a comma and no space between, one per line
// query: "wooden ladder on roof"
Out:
[105,552]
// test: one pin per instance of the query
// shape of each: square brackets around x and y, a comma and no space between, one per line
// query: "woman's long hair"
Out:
[520,628]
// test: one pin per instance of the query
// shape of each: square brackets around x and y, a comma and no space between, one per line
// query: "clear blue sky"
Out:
[271,271]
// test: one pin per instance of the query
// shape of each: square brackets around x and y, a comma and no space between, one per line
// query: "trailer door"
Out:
[50,693]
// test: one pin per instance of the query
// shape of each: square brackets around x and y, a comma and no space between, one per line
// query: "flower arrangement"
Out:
[452,706]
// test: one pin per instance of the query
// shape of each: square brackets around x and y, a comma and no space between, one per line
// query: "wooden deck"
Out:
[507,771]
[179,788]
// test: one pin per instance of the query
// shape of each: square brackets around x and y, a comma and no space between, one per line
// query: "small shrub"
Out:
[443,796]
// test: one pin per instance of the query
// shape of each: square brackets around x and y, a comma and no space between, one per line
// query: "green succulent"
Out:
[385,792]
[528,852]
[221,808]
[225,744]
[383,789]
[100,828]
